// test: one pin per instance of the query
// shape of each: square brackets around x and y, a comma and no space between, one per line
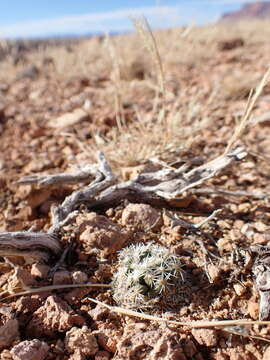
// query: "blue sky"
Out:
[35,18]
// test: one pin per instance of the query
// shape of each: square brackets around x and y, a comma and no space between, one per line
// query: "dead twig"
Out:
[194,228]
[156,188]
[40,246]
[30,291]
[261,271]
[210,191]
[84,175]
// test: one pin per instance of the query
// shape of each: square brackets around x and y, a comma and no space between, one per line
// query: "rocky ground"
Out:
[58,107]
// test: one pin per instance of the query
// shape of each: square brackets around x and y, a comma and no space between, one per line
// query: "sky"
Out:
[41,18]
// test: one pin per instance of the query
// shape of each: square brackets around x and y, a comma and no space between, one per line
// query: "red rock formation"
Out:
[255,10]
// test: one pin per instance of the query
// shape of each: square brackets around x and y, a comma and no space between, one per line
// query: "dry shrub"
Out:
[145,137]
[237,86]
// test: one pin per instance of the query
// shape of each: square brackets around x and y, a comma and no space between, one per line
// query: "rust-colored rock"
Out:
[40,270]
[139,343]
[77,356]
[107,339]
[102,355]
[253,11]
[62,277]
[266,355]
[8,333]
[97,231]
[38,197]
[142,216]
[79,277]
[53,317]
[30,349]
[82,339]
[206,337]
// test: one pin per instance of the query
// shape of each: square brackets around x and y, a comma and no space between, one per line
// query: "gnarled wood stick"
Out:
[168,185]
[39,245]
[157,188]
[104,178]
[261,271]
[83,175]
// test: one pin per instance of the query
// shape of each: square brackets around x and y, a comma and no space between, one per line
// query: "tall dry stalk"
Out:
[144,30]
[245,121]
[116,78]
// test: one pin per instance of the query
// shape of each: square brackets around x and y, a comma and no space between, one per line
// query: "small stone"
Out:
[8,333]
[214,273]
[239,289]
[225,224]
[97,231]
[82,339]
[235,235]
[143,216]
[245,228]
[106,340]
[38,165]
[239,224]
[260,226]
[224,244]
[266,355]
[20,279]
[221,356]
[30,349]
[99,313]
[79,277]
[62,277]
[69,119]
[5,355]
[244,207]
[102,355]
[28,303]
[253,309]
[259,239]
[77,356]
[54,316]
[38,197]
[40,271]
[206,337]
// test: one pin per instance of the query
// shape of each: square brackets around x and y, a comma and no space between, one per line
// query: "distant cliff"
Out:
[255,10]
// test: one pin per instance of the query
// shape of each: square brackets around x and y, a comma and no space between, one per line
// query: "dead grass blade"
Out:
[253,97]
[30,291]
[116,79]
[144,30]
[226,325]
[231,326]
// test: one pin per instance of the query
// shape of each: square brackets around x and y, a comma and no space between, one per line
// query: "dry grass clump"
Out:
[148,136]
[237,87]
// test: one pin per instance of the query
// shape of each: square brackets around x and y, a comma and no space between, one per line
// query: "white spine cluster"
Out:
[146,272]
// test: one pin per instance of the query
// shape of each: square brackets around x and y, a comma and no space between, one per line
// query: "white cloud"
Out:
[117,20]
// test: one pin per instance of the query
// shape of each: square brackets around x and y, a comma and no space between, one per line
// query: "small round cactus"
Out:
[147,274]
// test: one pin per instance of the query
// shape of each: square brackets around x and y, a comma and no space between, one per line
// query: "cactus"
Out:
[147,274]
